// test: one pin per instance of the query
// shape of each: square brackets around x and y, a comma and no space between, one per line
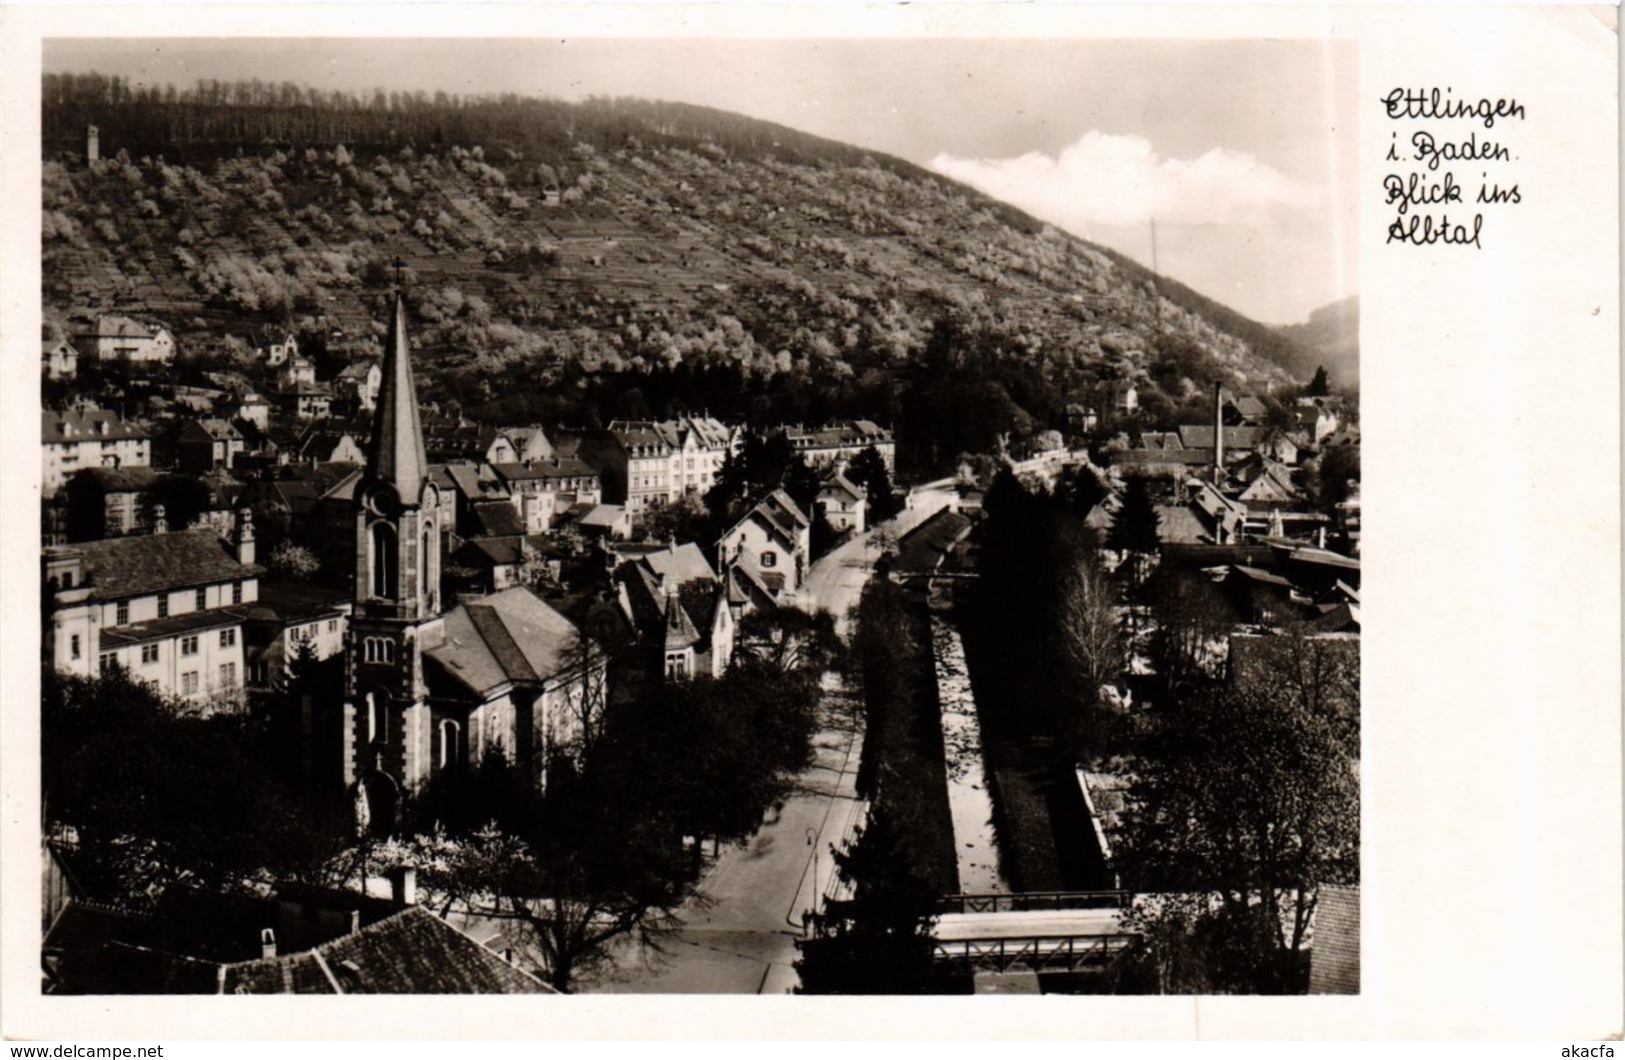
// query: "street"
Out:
[739,936]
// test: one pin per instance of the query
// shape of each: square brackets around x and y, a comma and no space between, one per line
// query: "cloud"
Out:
[1121,180]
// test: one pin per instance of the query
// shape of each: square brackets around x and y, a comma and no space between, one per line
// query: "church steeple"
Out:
[396,456]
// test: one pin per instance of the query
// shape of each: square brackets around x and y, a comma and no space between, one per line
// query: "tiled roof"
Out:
[1200,437]
[135,566]
[684,563]
[302,601]
[78,426]
[118,326]
[117,479]
[412,952]
[497,518]
[1163,456]
[844,485]
[173,626]
[603,515]
[532,646]
[1334,953]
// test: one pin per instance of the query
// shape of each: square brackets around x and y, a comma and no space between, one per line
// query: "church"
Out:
[429,689]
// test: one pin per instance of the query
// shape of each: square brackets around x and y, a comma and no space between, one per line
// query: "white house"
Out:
[123,338]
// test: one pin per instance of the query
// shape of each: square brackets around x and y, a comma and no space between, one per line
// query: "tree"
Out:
[1091,640]
[1331,477]
[294,562]
[1320,385]
[1247,797]
[160,794]
[868,470]
[788,640]
[1134,529]
[879,940]
[1192,626]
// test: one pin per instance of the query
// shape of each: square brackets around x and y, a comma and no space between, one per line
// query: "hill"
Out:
[577,262]
[1332,338]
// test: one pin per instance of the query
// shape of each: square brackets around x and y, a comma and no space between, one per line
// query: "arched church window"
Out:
[450,735]
[377,718]
[385,576]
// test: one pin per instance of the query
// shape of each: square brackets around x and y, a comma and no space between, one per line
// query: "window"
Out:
[202,599]
[378,650]
[236,592]
[677,664]
[123,613]
[450,752]
[228,675]
[228,638]
[106,662]
[189,645]
[377,718]
[189,683]
[332,625]
[384,576]
[769,558]
[149,654]
[163,605]
[73,645]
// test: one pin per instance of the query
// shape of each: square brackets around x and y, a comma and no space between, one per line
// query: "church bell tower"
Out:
[396,617]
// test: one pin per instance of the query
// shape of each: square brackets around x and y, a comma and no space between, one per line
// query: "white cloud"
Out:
[1121,180]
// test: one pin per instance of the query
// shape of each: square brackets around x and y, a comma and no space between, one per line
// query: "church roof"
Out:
[511,636]
[395,454]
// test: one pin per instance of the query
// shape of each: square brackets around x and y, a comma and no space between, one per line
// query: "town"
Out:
[349,687]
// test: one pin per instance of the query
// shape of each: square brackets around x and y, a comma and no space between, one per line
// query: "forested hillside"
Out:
[577,262]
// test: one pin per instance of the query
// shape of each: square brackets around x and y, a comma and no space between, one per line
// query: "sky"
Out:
[1240,151]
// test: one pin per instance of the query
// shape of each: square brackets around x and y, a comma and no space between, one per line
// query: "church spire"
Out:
[395,455]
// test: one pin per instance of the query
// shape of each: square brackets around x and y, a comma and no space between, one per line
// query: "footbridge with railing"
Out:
[1044,931]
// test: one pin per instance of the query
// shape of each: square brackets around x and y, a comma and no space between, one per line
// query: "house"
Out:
[1265,481]
[167,607]
[774,540]
[836,444]
[493,564]
[609,521]
[296,371]
[1316,416]
[1245,409]
[330,447]
[122,338]
[204,445]
[312,401]
[678,610]
[428,690]
[106,502]
[58,359]
[1081,419]
[88,437]
[843,504]
[463,485]
[698,446]
[254,409]
[530,444]
[1279,446]
[544,490]
[633,461]
[359,383]
[300,940]
[1122,396]
[276,347]
[288,617]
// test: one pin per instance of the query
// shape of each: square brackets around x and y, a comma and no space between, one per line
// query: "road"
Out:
[738,936]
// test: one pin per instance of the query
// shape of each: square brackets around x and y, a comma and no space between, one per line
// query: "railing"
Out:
[1029,901]
[1071,953]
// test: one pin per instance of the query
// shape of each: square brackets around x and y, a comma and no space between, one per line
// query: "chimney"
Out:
[267,943]
[403,885]
[243,536]
[1218,434]
[160,525]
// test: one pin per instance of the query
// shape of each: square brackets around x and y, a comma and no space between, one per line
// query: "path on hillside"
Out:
[739,938]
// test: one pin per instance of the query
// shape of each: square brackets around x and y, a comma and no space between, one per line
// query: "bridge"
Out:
[1049,931]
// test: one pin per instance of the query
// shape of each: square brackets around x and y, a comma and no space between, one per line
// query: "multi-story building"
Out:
[836,445]
[546,489]
[204,445]
[106,502]
[698,445]
[633,460]
[168,608]
[84,438]
[774,541]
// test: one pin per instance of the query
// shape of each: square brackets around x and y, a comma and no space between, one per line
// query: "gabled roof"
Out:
[119,326]
[115,479]
[1250,406]
[511,636]
[216,430]
[496,519]
[839,483]
[683,563]
[680,631]
[395,455]
[91,423]
[357,371]
[135,566]
[412,952]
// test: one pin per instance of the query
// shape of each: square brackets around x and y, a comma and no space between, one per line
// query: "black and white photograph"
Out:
[692,516]
[690,512]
